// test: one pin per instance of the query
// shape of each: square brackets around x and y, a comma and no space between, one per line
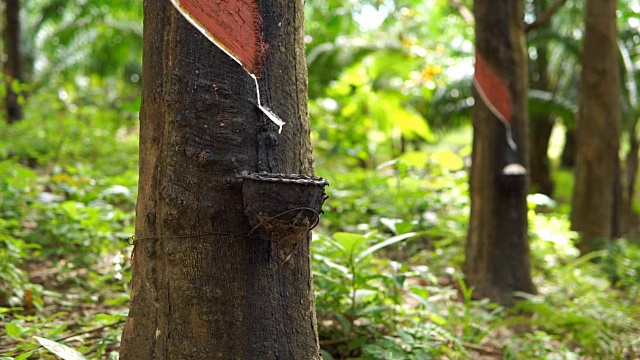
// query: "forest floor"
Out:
[386,260]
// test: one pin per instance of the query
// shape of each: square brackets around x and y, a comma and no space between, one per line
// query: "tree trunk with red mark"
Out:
[596,192]
[222,295]
[497,250]
[13,64]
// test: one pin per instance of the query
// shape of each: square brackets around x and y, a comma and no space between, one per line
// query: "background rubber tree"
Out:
[564,43]
[13,63]
[596,202]
[497,249]
[540,122]
[629,46]
[217,296]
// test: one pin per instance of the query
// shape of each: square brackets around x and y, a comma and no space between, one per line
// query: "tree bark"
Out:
[223,295]
[541,128]
[596,192]
[568,157]
[632,162]
[497,250]
[13,64]
[541,124]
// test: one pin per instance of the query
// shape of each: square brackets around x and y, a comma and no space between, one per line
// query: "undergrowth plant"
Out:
[587,306]
[66,209]
[386,257]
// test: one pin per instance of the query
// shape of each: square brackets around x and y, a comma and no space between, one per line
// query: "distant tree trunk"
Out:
[223,295]
[568,156]
[541,123]
[541,128]
[595,206]
[497,250]
[628,217]
[13,64]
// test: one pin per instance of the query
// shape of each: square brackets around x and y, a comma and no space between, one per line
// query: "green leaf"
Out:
[447,159]
[63,351]
[357,343]
[438,320]
[341,269]
[337,283]
[403,227]
[414,159]
[383,244]
[388,110]
[326,355]
[350,241]
[106,318]
[333,243]
[410,123]
[390,63]
[13,330]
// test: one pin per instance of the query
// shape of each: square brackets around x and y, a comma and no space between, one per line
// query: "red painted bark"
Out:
[493,90]
[235,25]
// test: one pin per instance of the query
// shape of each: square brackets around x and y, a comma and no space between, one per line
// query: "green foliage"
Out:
[582,309]
[390,106]
[390,305]
[386,79]
[86,131]
[78,42]
[67,197]
[537,345]
[622,265]
[369,292]
[385,309]
[552,242]
[74,225]
[13,250]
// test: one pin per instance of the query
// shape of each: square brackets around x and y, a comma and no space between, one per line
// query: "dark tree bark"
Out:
[13,65]
[222,296]
[497,250]
[628,217]
[596,192]
[541,128]
[568,156]
[541,123]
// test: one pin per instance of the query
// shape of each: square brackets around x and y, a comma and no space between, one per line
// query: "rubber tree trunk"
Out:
[541,123]
[540,133]
[497,250]
[568,156]
[222,295]
[628,216]
[596,191]
[13,63]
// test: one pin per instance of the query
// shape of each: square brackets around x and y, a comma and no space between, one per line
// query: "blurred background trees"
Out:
[595,211]
[13,61]
[390,102]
